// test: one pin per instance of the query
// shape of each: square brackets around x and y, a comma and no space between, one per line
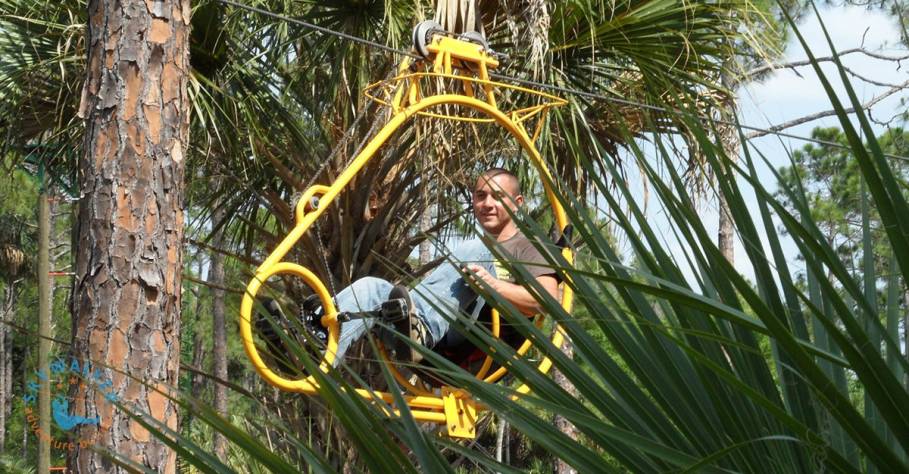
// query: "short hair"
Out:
[493,172]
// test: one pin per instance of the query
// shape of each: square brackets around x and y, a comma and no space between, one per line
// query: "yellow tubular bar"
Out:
[430,408]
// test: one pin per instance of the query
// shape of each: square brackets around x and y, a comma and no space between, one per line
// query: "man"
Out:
[444,293]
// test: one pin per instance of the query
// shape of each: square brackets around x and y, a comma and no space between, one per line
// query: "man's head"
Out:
[497,190]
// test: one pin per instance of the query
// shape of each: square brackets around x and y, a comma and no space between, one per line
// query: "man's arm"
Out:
[517,294]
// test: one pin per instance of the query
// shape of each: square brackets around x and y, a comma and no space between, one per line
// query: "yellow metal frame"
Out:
[454,61]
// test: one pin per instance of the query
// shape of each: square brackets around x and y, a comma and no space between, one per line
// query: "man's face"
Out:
[491,197]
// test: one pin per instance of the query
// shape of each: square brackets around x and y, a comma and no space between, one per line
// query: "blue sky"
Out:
[786,95]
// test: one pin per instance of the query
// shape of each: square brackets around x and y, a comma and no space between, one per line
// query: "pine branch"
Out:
[826,113]
[797,64]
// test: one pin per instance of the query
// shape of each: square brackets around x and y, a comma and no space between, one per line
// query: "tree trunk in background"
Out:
[219,333]
[561,423]
[5,364]
[3,386]
[732,146]
[129,261]
[458,16]
[501,427]
[25,379]
[726,235]
[906,334]
[8,353]
[45,294]
[8,312]
[198,347]
[426,245]
[198,384]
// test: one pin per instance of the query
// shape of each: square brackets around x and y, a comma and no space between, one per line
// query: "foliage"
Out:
[834,190]
[15,465]
[680,362]
[685,380]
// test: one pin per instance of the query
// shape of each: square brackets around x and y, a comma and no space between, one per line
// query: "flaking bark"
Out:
[130,224]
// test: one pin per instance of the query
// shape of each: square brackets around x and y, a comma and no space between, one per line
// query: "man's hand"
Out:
[478,273]
[515,294]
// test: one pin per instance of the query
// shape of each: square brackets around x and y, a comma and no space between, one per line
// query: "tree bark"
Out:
[219,334]
[3,389]
[129,260]
[732,146]
[199,380]
[726,234]
[198,383]
[45,295]
[426,245]
[6,405]
[5,364]
[25,380]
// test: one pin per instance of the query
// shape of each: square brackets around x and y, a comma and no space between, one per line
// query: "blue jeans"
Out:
[438,298]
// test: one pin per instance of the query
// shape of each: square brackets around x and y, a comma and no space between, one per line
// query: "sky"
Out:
[786,95]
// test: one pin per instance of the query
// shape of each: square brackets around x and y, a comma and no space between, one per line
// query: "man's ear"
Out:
[519,200]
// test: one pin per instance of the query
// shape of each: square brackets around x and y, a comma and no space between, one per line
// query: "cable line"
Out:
[545,86]
[321,29]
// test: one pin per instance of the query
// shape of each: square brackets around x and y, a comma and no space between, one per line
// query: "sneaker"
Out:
[400,311]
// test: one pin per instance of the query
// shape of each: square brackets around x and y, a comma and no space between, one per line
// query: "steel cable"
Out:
[545,86]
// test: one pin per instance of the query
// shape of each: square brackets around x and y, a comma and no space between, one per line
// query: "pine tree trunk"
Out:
[8,362]
[25,433]
[198,354]
[198,383]
[7,406]
[219,334]
[3,389]
[45,295]
[129,260]
[5,313]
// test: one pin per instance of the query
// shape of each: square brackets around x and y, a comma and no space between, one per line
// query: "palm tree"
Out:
[627,55]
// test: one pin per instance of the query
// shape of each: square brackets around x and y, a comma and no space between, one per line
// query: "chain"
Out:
[323,255]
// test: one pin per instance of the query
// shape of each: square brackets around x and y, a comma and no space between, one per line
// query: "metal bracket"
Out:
[391,311]
[460,413]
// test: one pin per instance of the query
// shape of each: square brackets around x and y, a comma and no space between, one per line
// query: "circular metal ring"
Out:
[422,36]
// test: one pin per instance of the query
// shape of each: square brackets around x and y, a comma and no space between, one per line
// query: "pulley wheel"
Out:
[422,36]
